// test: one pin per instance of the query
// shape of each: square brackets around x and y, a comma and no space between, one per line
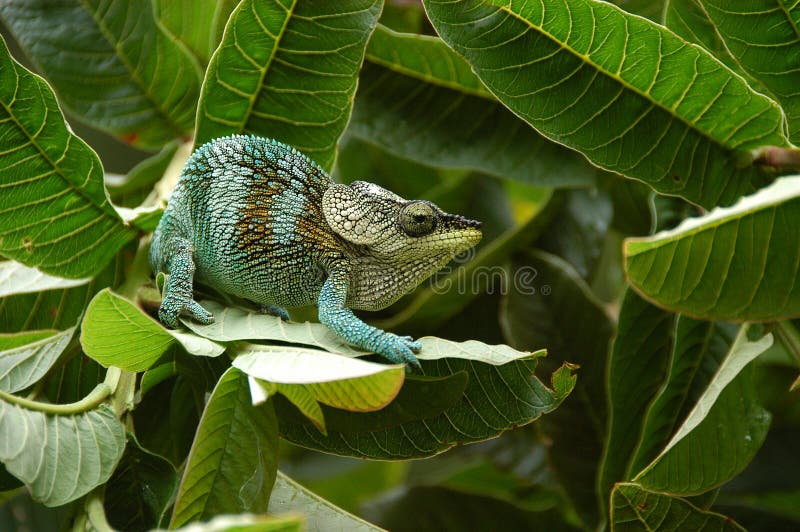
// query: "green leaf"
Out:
[673,116]
[412,508]
[308,376]
[636,369]
[233,462]
[290,497]
[57,308]
[196,24]
[763,39]
[134,81]
[699,347]
[60,458]
[577,232]
[233,324]
[16,278]
[247,523]
[494,399]
[634,508]
[731,264]
[550,305]
[425,58]
[115,332]
[652,9]
[287,70]
[689,20]
[132,189]
[408,79]
[21,366]
[722,432]
[54,212]
[139,492]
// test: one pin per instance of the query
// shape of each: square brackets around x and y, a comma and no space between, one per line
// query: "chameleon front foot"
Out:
[172,308]
[397,349]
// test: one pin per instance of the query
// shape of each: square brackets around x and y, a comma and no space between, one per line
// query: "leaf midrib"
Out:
[56,169]
[644,95]
[251,102]
[109,36]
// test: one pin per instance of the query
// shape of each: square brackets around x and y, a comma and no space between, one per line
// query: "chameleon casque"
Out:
[256,219]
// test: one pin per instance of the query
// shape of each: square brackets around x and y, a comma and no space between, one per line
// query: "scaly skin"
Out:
[256,219]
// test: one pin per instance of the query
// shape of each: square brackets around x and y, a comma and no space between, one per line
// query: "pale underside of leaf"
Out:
[60,458]
[23,366]
[16,278]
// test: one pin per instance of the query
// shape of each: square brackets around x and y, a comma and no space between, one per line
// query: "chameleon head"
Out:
[367,214]
[413,238]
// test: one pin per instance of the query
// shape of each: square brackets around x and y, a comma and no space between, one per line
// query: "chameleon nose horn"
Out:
[466,221]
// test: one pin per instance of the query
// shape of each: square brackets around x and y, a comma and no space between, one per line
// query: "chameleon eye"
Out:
[418,219]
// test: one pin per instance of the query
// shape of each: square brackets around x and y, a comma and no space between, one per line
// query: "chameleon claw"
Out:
[198,313]
[400,350]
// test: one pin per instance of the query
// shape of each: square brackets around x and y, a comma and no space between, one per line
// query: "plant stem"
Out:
[776,157]
[789,337]
[95,398]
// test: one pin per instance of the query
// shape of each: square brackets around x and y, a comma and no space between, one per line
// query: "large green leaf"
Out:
[233,462]
[419,100]
[636,369]
[196,24]
[634,508]
[578,231]
[763,37]
[732,263]
[112,65]
[290,497]
[287,70]
[140,490]
[494,399]
[60,457]
[698,349]
[689,20]
[550,305]
[672,115]
[54,211]
[115,332]
[23,365]
[58,308]
[722,432]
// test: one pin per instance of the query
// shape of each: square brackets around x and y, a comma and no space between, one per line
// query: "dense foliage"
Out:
[629,163]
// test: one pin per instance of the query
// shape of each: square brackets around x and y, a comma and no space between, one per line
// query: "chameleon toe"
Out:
[198,313]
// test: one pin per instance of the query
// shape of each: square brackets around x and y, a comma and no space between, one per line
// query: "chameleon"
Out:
[257,219]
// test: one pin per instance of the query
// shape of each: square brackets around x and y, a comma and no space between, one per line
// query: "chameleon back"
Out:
[250,208]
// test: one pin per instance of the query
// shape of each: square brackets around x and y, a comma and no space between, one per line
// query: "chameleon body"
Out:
[256,219]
